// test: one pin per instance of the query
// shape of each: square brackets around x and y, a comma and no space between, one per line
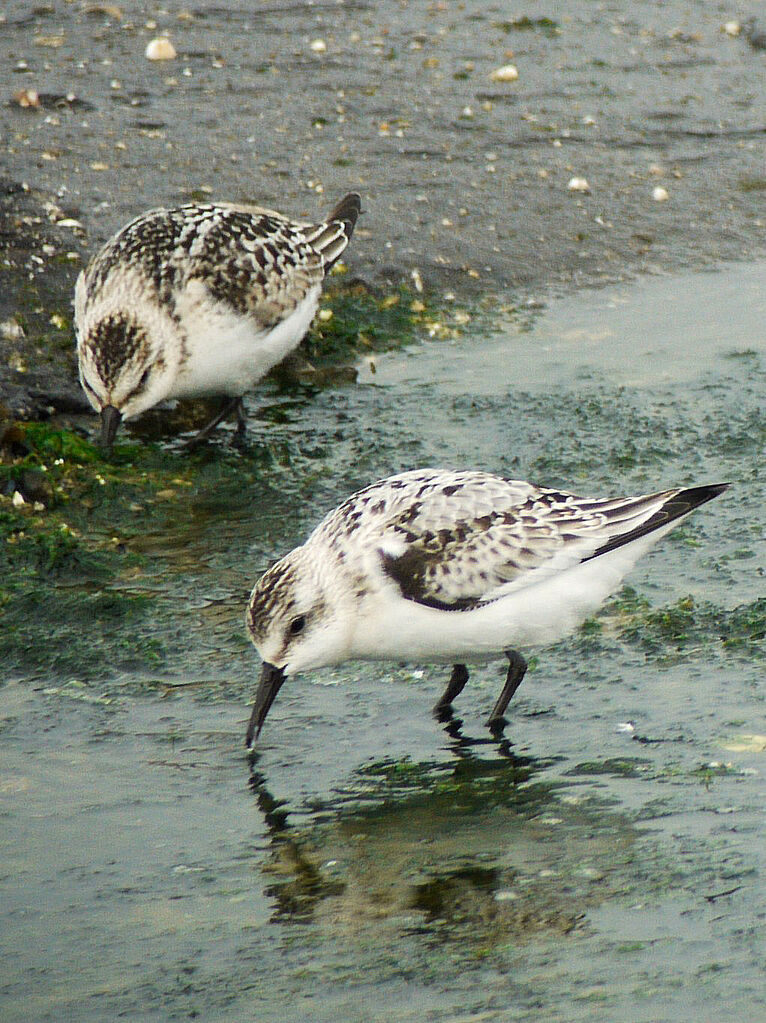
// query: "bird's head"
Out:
[124,369]
[298,618]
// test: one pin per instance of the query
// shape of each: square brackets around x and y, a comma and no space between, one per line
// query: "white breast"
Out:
[226,352]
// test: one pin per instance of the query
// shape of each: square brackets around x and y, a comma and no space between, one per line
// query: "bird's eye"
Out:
[297,625]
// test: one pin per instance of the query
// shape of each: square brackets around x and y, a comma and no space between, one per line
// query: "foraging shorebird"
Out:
[201,299]
[434,565]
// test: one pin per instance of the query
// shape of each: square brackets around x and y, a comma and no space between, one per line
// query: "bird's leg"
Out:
[456,684]
[241,419]
[517,666]
[228,406]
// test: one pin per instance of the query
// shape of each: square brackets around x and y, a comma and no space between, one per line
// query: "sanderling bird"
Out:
[202,299]
[434,565]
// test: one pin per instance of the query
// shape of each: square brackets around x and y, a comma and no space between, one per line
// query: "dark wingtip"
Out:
[695,496]
[675,507]
[348,211]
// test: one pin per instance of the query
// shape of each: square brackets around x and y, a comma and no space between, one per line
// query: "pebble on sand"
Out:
[160,49]
[506,73]
[578,185]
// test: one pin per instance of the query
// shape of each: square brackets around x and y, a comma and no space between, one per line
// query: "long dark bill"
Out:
[110,420]
[269,685]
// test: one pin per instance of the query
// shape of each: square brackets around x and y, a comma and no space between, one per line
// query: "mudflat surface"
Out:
[463,177]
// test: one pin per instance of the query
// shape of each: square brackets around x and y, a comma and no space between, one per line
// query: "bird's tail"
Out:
[674,504]
[332,236]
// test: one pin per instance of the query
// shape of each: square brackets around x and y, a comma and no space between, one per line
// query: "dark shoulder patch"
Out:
[413,572]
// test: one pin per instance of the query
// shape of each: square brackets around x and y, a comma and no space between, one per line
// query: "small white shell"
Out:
[660,194]
[319,46]
[506,73]
[732,28]
[578,185]
[160,49]
[10,330]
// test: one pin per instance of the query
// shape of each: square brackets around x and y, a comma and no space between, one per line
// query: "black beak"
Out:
[268,686]
[110,420]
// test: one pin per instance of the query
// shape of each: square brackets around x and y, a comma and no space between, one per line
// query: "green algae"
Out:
[546,26]
[355,321]
[61,565]
[686,627]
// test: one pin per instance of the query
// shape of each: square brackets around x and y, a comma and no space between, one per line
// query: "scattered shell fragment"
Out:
[506,73]
[52,41]
[417,280]
[324,315]
[160,49]
[10,330]
[27,98]
[732,28]
[660,194]
[110,10]
[17,499]
[578,185]
[747,744]
[506,895]
[318,46]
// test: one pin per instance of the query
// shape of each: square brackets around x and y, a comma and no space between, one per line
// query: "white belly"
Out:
[398,629]
[226,352]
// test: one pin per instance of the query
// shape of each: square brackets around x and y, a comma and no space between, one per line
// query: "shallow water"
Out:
[367,863]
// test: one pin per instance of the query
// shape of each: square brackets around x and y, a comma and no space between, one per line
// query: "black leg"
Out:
[241,418]
[516,668]
[455,686]
[228,406]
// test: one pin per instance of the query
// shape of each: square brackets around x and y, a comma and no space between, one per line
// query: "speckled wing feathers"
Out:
[255,260]
[454,540]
